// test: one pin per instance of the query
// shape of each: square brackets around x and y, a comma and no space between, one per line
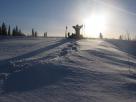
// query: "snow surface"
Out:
[65,70]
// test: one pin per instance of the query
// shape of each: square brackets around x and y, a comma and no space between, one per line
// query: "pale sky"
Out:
[54,15]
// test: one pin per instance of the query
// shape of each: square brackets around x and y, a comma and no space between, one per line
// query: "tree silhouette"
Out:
[33,33]
[4,29]
[16,29]
[20,32]
[0,30]
[120,37]
[14,32]
[17,32]
[9,32]
[45,34]
[128,35]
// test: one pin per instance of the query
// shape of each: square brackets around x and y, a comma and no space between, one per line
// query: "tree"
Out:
[14,32]
[45,34]
[9,32]
[128,36]
[17,31]
[0,30]
[4,29]
[120,37]
[20,32]
[33,33]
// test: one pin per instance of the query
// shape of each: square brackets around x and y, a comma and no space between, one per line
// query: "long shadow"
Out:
[124,45]
[35,77]
[111,59]
[5,64]
[44,75]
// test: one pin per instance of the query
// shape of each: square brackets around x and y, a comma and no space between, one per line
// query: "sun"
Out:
[94,24]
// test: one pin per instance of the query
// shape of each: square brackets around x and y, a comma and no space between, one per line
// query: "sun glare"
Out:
[94,24]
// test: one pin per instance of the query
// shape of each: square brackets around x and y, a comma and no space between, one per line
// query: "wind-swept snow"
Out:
[65,70]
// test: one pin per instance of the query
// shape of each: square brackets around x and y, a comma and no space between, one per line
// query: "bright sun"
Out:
[94,24]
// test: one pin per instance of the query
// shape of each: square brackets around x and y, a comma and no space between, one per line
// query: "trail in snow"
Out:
[62,70]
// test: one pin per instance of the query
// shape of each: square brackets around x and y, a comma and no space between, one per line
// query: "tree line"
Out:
[7,31]
[35,33]
[128,36]
[16,31]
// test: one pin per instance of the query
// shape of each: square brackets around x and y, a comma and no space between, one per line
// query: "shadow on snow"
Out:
[124,45]
[5,64]
[109,58]
[35,77]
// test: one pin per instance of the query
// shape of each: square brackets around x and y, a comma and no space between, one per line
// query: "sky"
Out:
[53,16]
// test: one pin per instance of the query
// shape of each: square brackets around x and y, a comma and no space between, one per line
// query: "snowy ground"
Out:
[62,70]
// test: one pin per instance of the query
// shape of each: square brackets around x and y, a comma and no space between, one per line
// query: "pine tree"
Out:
[120,37]
[45,34]
[14,32]
[20,33]
[4,29]
[17,32]
[33,33]
[9,32]
[0,31]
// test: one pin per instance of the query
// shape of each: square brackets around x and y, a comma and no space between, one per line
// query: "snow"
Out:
[66,70]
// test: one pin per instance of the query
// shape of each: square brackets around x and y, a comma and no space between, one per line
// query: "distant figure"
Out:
[101,36]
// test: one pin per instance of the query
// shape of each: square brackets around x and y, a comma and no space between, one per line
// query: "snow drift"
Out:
[64,70]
